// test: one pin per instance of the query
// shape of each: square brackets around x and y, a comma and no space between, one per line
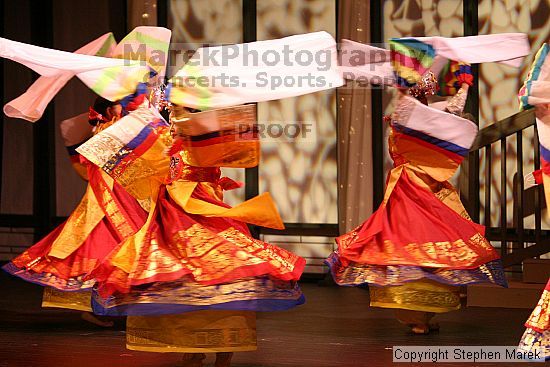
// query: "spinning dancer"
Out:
[103,218]
[193,277]
[107,214]
[420,244]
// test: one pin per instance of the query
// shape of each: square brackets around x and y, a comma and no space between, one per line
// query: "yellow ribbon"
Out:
[260,210]
[78,227]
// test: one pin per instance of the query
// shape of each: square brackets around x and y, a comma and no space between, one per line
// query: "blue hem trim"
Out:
[155,309]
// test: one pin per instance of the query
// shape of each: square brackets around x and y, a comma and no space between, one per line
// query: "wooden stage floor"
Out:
[336,327]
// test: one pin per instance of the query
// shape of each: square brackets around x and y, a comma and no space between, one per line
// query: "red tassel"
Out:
[136,102]
[538,176]
[177,145]
[93,115]
[228,184]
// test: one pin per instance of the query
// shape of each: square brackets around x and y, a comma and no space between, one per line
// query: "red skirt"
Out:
[415,228]
[209,250]
[36,265]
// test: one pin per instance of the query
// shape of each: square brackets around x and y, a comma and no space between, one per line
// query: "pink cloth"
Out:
[31,105]
[113,77]
[364,62]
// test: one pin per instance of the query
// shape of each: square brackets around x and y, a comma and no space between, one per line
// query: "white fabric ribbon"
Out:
[111,77]
[505,48]
[258,71]
[366,63]
[31,105]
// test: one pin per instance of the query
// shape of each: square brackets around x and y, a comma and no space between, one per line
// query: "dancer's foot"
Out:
[420,329]
[93,319]
[424,328]
[192,360]
[223,359]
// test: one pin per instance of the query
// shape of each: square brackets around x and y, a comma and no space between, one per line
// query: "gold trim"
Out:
[422,295]
[170,349]
[193,332]
[80,301]
[77,229]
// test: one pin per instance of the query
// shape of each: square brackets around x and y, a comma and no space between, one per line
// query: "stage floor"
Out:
[336,327]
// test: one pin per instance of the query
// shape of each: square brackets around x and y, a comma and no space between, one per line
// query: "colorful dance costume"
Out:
[535,93]
[420,244]
[194,259]
[107,214]
[193,277]
[537,333]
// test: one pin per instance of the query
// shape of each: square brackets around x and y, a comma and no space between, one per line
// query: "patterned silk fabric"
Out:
[81,300]
[358,274]
[194,332]
[423,295]
[532,340]
[191,240]
[185,295]
[105,216]
[173,244]
[540,318]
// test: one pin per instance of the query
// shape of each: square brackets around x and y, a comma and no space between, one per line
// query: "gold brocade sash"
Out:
[103,186]
[193,332]
[78,227]
[97,203]
[420,295]
[418,174]
[259,210]
[126,257]
[395,175]
[441,189]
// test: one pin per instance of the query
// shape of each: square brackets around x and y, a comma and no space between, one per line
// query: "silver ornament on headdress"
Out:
[426,86]
[158,98]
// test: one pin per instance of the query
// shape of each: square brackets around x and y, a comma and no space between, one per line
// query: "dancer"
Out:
[103,218]
[421,245]
[107,214]
[193,277]
[194,257]
[535,93]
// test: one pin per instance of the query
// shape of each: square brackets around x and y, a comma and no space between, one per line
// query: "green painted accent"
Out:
[107,77]
[150,42]
[203,93]
[109,41]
